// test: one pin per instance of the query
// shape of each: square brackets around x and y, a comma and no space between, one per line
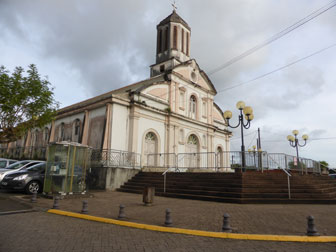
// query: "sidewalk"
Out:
[202,215]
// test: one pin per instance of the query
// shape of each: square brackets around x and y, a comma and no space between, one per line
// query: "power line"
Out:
[253,138]
[282,33]
[248,134]
[277,69]
[276,36]
[312,139]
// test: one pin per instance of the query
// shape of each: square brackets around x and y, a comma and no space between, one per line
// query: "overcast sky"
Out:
[90,47]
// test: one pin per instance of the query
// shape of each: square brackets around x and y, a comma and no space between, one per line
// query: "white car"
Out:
[4,162]
[17,167]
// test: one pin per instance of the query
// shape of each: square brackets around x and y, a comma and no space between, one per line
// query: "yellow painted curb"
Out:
[256,237]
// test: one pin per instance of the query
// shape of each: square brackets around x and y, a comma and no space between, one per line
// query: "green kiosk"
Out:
[67,165]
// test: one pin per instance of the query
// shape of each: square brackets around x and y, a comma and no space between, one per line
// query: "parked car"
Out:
[332,173]
[30,179]
[4,162]
[17,166]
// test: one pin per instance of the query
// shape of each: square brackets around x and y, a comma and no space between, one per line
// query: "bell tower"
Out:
[173,43]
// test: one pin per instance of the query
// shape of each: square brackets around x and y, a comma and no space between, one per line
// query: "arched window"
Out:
[175,38]
[166,39]
[187,44]
[46,134]
[192,107]
[35,139]
[61,132]
[159,41]
[76,130]
[77,127]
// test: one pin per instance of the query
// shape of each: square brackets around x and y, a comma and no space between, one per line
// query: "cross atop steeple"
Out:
[174,6]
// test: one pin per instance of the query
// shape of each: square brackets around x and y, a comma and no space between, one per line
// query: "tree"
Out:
[324,164]
[299,165]
[26,101]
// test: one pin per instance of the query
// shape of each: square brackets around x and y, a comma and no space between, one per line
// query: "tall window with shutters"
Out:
[182,41]
[187,51]
[192,107]
[175,38]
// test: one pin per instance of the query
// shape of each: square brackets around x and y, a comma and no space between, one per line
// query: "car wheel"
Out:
[32,187]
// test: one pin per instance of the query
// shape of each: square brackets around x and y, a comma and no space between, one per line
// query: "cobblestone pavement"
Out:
[202,215]
[7,204]
[40,231]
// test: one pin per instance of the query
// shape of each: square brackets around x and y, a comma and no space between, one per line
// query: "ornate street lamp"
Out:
[294,142]
[248,112]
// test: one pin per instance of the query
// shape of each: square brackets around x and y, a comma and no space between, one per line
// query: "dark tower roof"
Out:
[174,17]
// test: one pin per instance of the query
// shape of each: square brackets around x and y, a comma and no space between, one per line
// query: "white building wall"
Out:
[120,127]
[97,112]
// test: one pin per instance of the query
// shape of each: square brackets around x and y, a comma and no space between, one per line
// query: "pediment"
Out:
[190,71]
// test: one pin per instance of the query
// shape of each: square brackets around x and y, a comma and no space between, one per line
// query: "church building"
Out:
[173,111]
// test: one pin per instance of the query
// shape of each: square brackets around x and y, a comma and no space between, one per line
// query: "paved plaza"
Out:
[41,231]
[279,219]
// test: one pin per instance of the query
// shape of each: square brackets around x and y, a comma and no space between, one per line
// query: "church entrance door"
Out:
[192,159]
[150,148]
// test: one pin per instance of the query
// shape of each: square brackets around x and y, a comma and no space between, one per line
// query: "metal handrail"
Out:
[164,179]
[288,176]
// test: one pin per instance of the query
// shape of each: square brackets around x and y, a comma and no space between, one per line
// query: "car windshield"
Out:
[16,165]
[3,163]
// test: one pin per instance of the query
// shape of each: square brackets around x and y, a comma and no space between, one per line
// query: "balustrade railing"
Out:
[220,162]
[115,158]
[230,161]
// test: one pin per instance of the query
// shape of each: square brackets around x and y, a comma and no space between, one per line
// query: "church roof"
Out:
[174,17]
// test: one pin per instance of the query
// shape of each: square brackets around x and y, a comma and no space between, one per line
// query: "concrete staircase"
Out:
[249,187]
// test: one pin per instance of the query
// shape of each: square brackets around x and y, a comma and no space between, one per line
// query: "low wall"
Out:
[96,178]
[116,177]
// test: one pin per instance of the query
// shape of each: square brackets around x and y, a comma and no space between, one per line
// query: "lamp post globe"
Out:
[294,142]
[244,111]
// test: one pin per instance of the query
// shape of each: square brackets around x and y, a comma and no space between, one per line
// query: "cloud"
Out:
[91,47]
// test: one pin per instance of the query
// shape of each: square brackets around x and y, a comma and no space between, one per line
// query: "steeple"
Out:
[173,43]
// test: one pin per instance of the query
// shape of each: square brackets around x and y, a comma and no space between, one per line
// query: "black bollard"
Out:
[168,221]
[311,230]
[56,204]
[34,197]
[226,224]
[121,212]
[85,207]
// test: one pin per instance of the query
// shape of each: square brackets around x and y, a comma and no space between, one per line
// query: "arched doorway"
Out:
[219,157]
[150,148]
[192,148]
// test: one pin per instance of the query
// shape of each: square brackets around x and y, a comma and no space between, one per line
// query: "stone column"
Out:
[52,133]
[134,129]
[108,127]
[85,137]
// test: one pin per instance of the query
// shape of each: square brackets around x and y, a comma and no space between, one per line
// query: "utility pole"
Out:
[259,150]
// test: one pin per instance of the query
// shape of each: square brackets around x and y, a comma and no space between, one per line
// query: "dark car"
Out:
[30,179]
[332,173]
